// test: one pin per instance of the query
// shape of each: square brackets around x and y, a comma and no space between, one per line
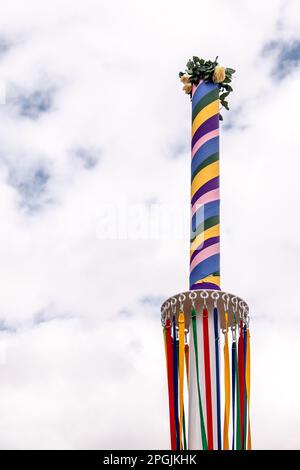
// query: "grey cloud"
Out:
[235,120]
[31,187]
[47,315]
[4,46]
[152,301]
[34,104]
[5,327]
[88,156]
[178,148]
[125,313]
[286,56]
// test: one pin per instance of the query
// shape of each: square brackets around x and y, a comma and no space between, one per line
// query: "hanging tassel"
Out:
[227,388]
[170,384]
[249,444]
[241,381]
[202,425]
[233,383]
[216,331]
[175,383]
[210,441]
[181,373]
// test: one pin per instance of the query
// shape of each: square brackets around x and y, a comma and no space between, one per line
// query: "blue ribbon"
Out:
[175,379]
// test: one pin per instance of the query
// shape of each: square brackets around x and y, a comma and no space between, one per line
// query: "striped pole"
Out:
[207,311]
[205,198]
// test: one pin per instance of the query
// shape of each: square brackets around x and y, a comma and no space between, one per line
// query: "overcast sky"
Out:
[94,134]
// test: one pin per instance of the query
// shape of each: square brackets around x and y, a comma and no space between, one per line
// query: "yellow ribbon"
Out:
[181,372]
[227,388]
[249,444]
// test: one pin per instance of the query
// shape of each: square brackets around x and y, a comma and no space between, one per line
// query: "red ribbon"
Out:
[210,440]
[170,384]
[241,369]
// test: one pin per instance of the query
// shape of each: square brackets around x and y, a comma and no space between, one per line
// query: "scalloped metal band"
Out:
[236,308]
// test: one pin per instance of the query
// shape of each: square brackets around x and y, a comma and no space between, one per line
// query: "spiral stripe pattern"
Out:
[205,199]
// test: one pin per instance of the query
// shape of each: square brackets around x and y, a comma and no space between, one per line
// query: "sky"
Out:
[94,153]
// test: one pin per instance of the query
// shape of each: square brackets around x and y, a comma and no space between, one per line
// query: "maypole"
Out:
[206,330]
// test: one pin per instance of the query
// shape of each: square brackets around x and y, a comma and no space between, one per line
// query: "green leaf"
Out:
[199,68]
[227,87]
[224,95]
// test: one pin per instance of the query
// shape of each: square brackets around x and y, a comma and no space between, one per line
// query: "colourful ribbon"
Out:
[187,358]
[241,369]
[233,378]
[181,372]
[249,443]
[175,383]
[227,388]
[209,420]
[202,425]
[169,346]
[245,393]
[218,397]
[238,407]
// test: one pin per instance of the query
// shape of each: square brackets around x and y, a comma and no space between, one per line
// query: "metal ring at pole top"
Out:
[193,295]
[204,294]
[225,302]
[181,299]
[173,303]
[235,302]
[215,295]
[225,298]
